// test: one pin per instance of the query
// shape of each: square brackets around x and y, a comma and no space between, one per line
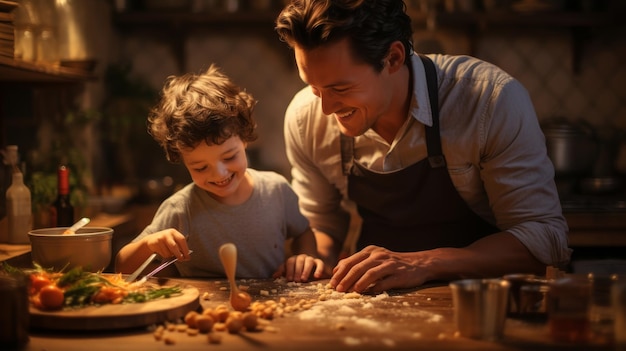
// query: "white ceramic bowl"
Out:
[90,248]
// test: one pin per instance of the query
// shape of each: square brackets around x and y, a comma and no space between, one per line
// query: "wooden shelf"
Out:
[604,229]
[182,19]
[488,20]
[17,71]
[474,24]
[176,26]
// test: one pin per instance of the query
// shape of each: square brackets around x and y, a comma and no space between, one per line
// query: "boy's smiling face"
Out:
[220,169]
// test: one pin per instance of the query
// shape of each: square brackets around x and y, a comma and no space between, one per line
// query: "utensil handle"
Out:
[143,266]
[228,256]
[162,266]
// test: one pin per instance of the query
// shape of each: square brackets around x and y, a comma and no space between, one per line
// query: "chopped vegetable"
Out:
[78,288]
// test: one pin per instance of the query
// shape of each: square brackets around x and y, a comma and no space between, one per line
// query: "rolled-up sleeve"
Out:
[315,162]
[519,176]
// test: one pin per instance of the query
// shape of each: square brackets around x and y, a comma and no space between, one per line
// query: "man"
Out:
[443,155]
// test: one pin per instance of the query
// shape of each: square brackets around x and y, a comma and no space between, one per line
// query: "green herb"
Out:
[152,294]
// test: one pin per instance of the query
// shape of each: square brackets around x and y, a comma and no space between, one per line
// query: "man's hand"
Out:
[376,269]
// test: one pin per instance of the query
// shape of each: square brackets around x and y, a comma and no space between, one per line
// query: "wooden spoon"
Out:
[239,300]
[76,226]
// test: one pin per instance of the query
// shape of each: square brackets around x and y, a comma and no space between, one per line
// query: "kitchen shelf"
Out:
[182,19]
[565,19]
[473,24]
[15,71]
[175,26]
[599,229]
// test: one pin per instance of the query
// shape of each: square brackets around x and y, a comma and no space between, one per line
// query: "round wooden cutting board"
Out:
[120,316]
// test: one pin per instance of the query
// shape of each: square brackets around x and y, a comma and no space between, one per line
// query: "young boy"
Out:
[205,121]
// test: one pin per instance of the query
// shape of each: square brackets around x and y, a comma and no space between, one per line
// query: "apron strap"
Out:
[347,148]
[433,140]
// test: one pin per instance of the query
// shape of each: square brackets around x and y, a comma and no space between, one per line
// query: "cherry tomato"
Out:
[34,300]
[38,281]
[51,297]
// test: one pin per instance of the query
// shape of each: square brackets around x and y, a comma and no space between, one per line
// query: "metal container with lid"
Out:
[572,146]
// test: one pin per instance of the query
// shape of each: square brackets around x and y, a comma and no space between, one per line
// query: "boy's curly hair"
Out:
[197,108]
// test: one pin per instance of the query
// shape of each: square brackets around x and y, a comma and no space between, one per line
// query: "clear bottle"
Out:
[10,159]
[19,210]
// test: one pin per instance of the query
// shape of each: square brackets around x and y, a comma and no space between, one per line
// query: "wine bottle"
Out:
[19,211]
[63,211]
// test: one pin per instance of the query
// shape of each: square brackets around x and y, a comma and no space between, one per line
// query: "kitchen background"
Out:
[569,54]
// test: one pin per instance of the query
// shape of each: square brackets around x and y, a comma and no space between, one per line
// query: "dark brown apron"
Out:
[417,208]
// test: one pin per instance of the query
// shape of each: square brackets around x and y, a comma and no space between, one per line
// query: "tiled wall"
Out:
[541,60]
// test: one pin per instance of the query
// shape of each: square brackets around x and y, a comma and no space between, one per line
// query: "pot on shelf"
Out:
[572,146]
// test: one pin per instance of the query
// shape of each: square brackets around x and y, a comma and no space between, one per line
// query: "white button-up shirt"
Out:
[491,139]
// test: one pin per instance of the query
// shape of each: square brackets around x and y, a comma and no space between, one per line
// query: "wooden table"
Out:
[419,319]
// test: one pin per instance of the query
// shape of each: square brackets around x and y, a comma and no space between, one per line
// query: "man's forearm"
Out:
[327,248]
[494,255]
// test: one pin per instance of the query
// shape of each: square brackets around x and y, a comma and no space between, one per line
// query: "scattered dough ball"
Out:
[190,319]
[352,295]
[270,329]
[219,326]
[204,323]
[236,314]
[181,328]
[206,296]
[250,321]
[214,338]
[234,325]
[169,340]
[268,313]
[192,331]
[220,313]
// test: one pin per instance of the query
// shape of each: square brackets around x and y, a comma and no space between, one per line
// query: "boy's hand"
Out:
[169,243]
[298,268]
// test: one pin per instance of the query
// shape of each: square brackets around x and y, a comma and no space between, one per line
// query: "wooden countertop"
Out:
[419,319]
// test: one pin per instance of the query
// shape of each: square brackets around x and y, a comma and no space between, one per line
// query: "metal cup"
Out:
[14,318]
[618,299]
[516,281]
[480,307]
[533,302]
[569,304]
